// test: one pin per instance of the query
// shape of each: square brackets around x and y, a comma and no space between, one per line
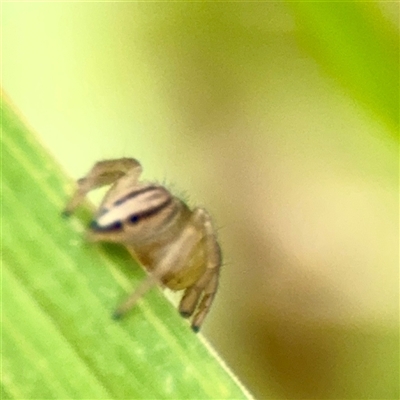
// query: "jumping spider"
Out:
[176,245]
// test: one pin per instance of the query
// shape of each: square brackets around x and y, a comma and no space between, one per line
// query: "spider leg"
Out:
[144,286]
[192,295]
[209,294]
[103,173]
[177,255]
[207,285]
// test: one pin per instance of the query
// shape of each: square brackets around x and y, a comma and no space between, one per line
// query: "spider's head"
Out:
[135,216]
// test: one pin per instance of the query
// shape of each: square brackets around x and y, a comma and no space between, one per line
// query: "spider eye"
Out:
[116,226]
[134,219]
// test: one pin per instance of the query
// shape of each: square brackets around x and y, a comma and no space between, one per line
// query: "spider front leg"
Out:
[173,264]
[208,297]
[103,173]
[207,284]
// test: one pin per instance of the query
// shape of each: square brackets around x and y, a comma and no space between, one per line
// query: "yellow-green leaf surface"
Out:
[58,293]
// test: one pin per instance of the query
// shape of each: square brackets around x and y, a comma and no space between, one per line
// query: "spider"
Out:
[176,245]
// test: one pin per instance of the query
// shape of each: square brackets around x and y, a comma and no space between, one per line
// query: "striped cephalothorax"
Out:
[176,245]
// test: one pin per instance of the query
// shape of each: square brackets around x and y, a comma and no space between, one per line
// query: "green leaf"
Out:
[58,294]
[356,45]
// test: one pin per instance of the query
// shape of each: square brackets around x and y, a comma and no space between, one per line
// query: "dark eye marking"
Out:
[116,226]
[133,194]
[135,218]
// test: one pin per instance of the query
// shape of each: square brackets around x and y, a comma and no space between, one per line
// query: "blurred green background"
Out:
[282,120]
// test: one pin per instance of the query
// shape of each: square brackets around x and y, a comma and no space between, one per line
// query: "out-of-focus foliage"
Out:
[359,48]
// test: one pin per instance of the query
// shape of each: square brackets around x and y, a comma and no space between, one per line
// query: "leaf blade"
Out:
[67,290]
